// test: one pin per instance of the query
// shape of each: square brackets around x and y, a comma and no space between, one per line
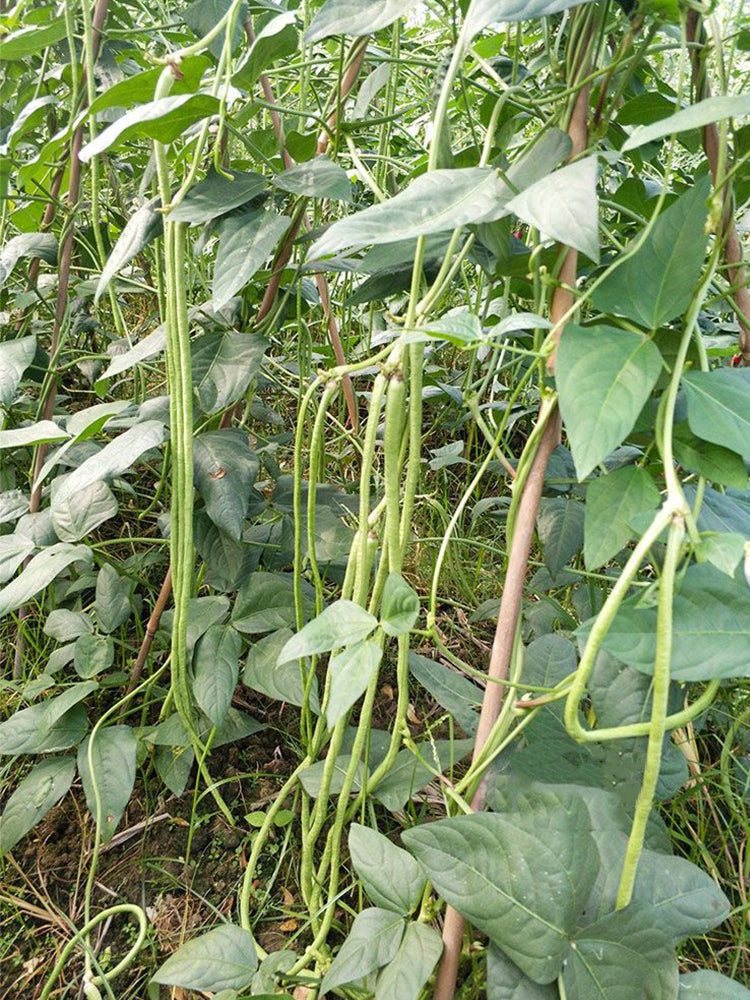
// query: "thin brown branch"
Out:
[737,272]
[151,630]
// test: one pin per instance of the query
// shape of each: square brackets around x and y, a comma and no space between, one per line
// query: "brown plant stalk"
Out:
[736,270]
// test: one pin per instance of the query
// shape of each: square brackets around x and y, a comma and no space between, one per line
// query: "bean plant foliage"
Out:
[375,407]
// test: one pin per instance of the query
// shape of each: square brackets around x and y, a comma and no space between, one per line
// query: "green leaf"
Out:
[203,15]
[355,17]
[140,87]
[450,689]
[625,954]
[225,958]
[564,206]
[372,943]
[216,668]
[79,514]
[718,407]
[245,241]
[435,201]
[276,40]
[482,13]
[112,777]
[350,671]
[14,549]
[15,358]
[173,765]
[112,599]
[224,364]
[163,120]
[722,550]
[203,612]
[31,729]
[712,109]
[63,625]
[42,432]
[409,775]
[399,609]
[479,864]
[341,624]
[318,178]
[658,281]
[225,470]
[142,227]
[284,682]
[31,40]
[93,653]
[39,791]
[216,195]
[391,877]
[113,459]
[505,981]
[40,572]
[604,378]
[265,603]
[560,527]
[13,503]
[405,976]
[713,461]
[711,628]
[612,501]
[708,985]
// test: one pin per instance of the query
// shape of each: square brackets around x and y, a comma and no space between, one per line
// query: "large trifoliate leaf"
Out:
[216,668]
[78,515]
[436,201]
[15,358]
[225,958]
[624,955]
[564,206]
[245,241]
[482,13]
[450,689]
[283,683]
[391,877]
[355,17]
[560,527]
[480,863]
[216,195]
[718,407]
[225,470]
[112,603]
[40,572]
[112,777]
[658,281]
[224,363]
[612,501]
[604,377]
[372,943]
[43,786]
[399,608]
[265,603]
[351,671]
[341,624]
[113,459]
[711,628]
[712,109]
[708,985]
[318,178]
[163,120]
[405,976]
[35,729]
[142,227]
[505,981]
